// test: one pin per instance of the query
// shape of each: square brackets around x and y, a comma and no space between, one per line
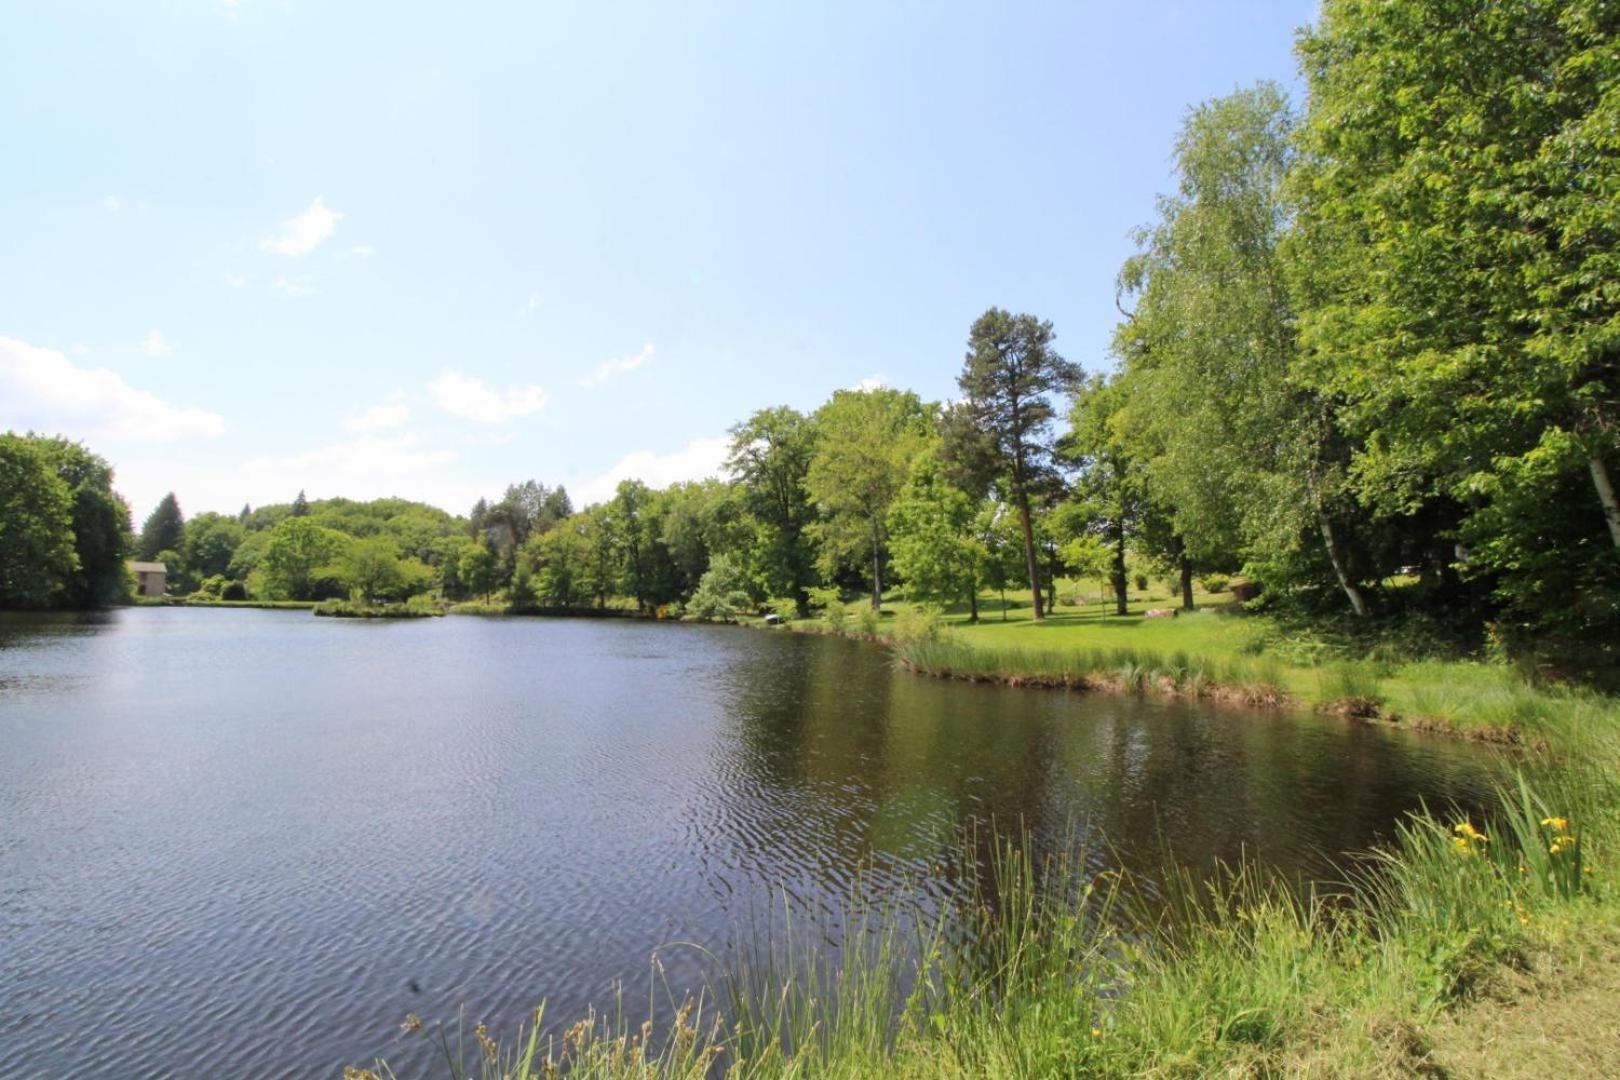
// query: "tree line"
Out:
[1367,356]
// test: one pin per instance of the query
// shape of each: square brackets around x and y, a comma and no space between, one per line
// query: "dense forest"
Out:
[1368,357]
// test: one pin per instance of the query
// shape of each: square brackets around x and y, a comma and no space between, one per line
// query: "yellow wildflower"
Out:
[1558,823]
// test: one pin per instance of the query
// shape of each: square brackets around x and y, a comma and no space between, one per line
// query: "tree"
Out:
[372,567]
[165,528]
[476,570]
[37,557]
[1110,485]
[210,544]
[1007,377]
[723,593]
[770,458]
[701,518]
[295,553]
[101,528]
[866,442]
[1249,458]
[1458,244]
[300,505]
[932,527]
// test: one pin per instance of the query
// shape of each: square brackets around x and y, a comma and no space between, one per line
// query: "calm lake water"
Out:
[240,842]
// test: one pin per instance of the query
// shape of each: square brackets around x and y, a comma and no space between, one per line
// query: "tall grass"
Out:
[1251,679]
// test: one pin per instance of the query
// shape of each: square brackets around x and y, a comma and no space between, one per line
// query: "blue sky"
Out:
[427,250]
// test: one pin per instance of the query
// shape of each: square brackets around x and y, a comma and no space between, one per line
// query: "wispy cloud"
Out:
[112,203]
[294,286]
[362,251]
[391,412]
[472,399]
[531,306]
[697,460]
[871,382]
[154,346]
[236,281]
[609,369]
[304,232]
[42,389]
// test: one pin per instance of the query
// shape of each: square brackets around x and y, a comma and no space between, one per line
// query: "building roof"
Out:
[148,567]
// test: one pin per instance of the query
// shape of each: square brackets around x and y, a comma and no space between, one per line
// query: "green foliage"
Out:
[722,594]
[770,459]
[937,550]
[165,528]
[295,553]
[1457,247]
[918,623]
[1002,428]
[37,557]
[866,442]
[1215,583]
[100,523]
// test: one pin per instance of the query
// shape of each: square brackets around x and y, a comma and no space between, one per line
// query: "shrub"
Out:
[866,619]
[234,590]
[722,592]
[1215,583]
[921,622]
[1141,582]
[835,614]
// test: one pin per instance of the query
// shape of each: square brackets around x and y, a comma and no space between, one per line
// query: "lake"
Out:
[245,842]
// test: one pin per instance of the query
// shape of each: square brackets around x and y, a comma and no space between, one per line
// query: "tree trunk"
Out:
[1004,604]
[1357,604]
[877,580]
[1186,567]
[973,602]
[1605,490]
[1121,581]
[1029,555]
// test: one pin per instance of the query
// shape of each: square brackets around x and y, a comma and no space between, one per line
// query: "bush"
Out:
[234,590]
[1215,583]
[722,592]
[785,608]
[921,622]
[1141,582]
[867,619]
[835,613]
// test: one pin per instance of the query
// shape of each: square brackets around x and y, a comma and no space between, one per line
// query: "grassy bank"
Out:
[181,601]
[1223,653]
[1455,929]
[355,609]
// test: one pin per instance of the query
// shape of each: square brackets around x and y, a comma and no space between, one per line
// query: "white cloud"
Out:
[611,368]
[390,413]
[294,286]
[471,398]
[235,281]
[532,306]
[360,463]
[112,203]
[696,460]
[154,345]
[303,233]
[871,382]
[362,251]
[44,390]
